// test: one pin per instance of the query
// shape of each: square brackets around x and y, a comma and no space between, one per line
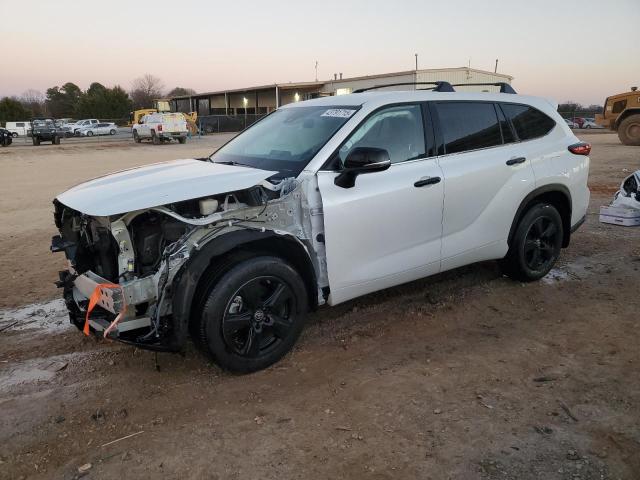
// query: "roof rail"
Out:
[504,87]
[439,86]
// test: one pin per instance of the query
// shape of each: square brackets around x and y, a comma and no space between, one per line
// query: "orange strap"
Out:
[93,301]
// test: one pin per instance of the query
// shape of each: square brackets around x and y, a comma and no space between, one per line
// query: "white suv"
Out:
[320,202]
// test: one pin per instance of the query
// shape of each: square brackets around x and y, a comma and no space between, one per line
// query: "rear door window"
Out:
[507,133]
[468,125]
[528,122]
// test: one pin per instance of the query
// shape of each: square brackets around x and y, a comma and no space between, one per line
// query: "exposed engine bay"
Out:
[127,263]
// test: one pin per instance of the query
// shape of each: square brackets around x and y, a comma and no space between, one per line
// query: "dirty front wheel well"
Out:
[627,113]
[208,265]
[556,195]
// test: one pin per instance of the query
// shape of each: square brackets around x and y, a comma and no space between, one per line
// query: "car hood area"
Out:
[158,184]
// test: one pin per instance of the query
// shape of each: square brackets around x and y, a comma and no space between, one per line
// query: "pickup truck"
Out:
[161,127]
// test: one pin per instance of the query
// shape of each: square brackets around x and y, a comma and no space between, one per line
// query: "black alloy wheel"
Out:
[258,317]
[540,244]
[253,313]
[536,244]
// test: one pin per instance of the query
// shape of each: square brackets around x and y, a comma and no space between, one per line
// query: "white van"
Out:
[18,128]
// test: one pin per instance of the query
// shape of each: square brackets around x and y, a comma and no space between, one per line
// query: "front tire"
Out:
[154,138]
[253,315]
[629,130]
[182,140]
[136,137]
[112,132]
[36,141]
[536,244]
[14,135]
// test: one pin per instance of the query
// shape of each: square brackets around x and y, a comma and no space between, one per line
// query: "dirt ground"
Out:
[465,375]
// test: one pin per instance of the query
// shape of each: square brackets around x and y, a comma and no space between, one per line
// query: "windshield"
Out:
[286,140]
[43,123]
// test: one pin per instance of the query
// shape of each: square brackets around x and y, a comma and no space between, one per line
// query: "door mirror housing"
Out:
[362,160]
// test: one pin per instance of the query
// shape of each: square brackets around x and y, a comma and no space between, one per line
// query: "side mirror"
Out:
[362,160]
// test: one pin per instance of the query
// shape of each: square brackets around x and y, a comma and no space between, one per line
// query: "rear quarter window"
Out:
[529,122]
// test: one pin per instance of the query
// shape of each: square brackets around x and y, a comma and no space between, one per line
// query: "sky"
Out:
[581,50]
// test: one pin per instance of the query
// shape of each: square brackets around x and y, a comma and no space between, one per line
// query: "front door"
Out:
[386,230]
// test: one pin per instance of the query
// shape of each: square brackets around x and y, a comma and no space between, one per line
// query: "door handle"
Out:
[427,181]
[515,161]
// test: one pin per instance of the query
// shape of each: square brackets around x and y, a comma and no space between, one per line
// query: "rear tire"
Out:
[56,140]
[154,138]
[536,244]
[629,130]
[182,140]
[253,314]
[89,133]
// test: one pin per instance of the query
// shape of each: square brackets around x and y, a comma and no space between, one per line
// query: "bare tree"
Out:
[34,101]
[145,89]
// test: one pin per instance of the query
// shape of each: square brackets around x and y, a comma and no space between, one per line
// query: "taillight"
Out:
[160,129]
[582,148]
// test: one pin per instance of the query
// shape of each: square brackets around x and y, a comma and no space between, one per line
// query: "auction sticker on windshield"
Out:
[338,112]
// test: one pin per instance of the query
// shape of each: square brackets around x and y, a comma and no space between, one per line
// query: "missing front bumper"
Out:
[111,301]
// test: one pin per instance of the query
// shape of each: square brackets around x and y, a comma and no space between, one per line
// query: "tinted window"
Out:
[19,124]
[619,106]
[528,122]
[507,133]
[398,130]
[468,125]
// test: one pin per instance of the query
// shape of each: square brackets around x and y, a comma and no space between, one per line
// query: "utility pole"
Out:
[495,70]
[316,70]
[416,61]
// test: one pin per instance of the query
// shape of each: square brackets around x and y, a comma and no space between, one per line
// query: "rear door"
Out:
[487,174]
[386,230]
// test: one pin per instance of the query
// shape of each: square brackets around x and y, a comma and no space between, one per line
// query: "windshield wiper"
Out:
[231,162]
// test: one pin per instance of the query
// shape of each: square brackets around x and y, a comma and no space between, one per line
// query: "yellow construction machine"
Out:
[162,105]
[622,114]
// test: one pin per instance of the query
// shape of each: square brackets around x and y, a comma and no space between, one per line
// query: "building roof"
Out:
[320,83]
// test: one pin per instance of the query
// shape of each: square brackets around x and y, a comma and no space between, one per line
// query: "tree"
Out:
[180,91]
[61,102]
[576,109]
[12,110]
[101,102]
[144,90]
[34,101]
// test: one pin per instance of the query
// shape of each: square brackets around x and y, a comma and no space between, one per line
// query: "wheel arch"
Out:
[555,194]
[627,113]
[194,276]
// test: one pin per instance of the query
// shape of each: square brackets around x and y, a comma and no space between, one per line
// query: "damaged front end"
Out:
[124,269]
[139,253]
